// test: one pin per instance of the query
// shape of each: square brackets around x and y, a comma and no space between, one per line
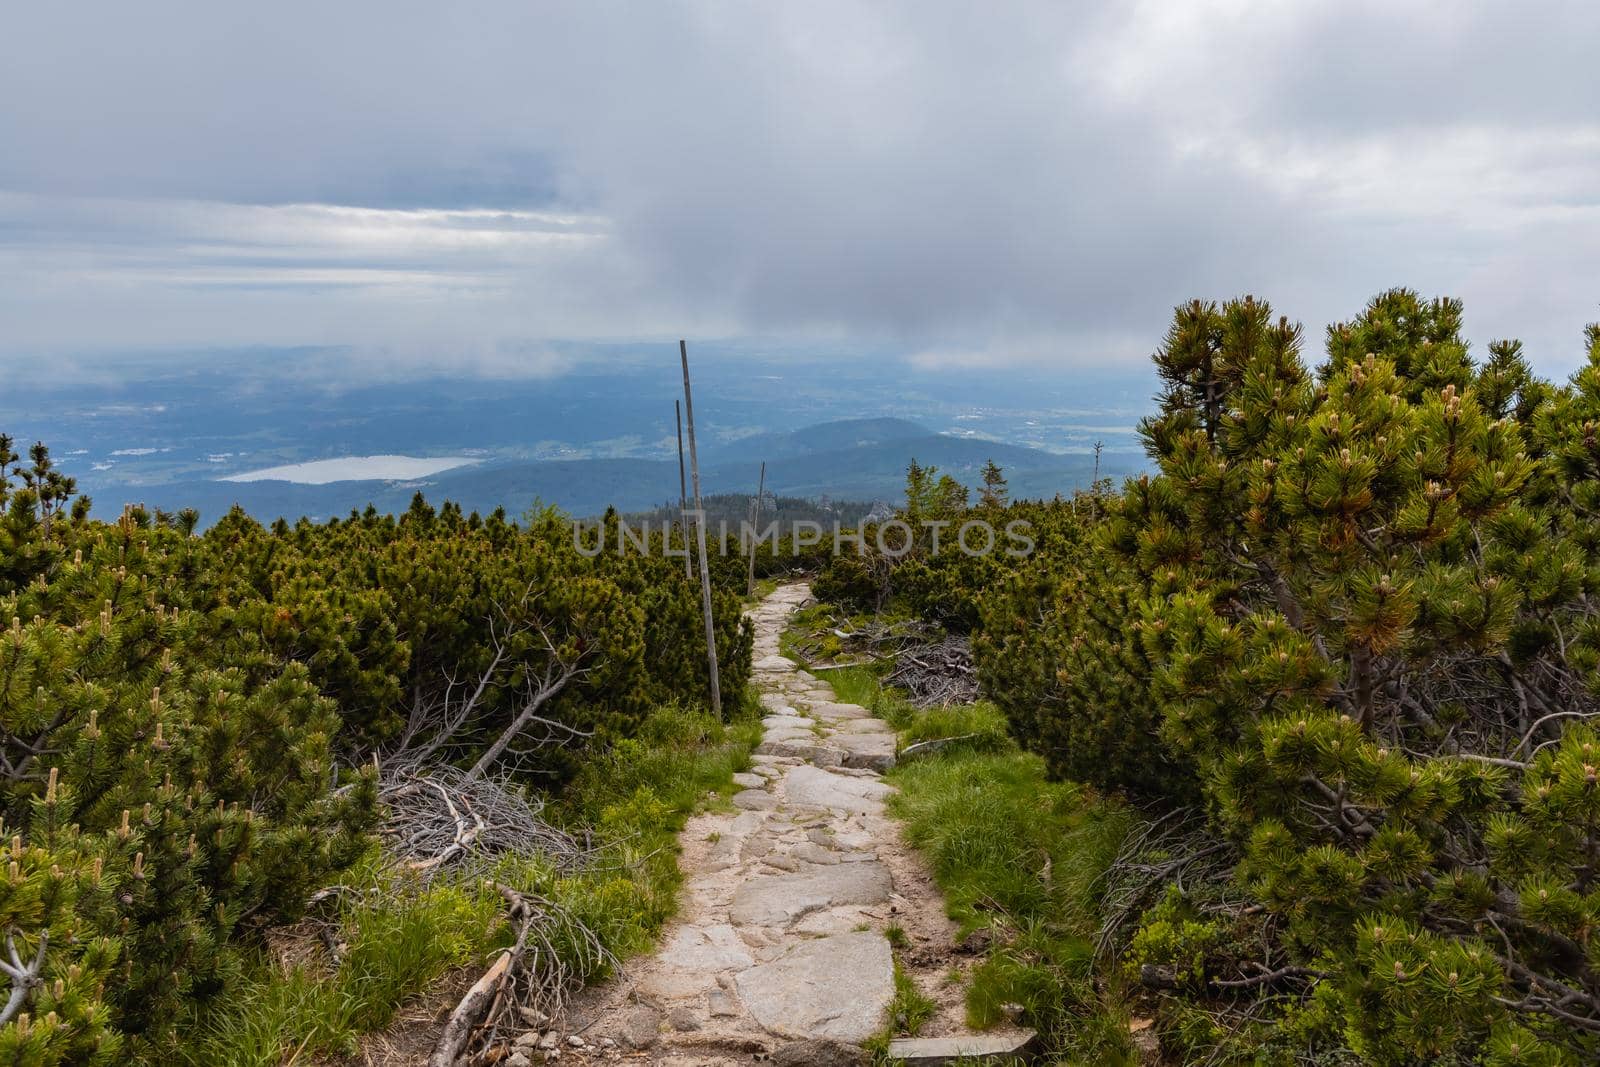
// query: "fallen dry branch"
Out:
[922,748]
[438,818]
[936,674]
[1173,848]
[552,954]
[841,643]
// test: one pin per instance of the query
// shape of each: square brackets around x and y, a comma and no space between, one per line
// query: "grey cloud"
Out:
[971,183]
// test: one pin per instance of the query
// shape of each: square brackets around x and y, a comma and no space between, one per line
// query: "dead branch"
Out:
[552,954]
[1160,851]
[446,722]
[937,674]
[932,745]
[24,975]
[439,818]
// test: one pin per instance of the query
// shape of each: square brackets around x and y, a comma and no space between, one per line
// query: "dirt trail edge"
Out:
[779,946]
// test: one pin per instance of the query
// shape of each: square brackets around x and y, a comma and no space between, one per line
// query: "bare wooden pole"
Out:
[700,537]
[683,494]
[755,523]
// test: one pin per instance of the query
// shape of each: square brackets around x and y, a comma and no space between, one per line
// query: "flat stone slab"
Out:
[709,949]
[755,800]
[780,900]
[827,709]
[790,733]
[811,852]
[813,787]
[966,1048]
[873,752]
[797,722]
[773,663]
[750,780]
[837,987]
[863,726]
[816,752]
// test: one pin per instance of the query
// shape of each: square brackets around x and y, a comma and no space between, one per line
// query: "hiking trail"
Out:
[779,946]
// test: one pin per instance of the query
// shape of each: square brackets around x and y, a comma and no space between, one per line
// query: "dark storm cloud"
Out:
[998,182]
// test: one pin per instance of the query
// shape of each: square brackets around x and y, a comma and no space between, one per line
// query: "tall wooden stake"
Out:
[700,538]
[755,524]
[683,501]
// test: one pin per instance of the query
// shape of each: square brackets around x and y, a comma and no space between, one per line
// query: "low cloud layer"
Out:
[969,184]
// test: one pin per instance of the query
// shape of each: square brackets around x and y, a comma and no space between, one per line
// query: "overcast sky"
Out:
[960,182]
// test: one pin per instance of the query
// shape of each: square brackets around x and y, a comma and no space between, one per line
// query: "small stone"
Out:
[527,1040]
[549,1040]
[750,780]
[518,1059]
[639,1027]
[722,1004]
[533,1017]
[683,1019]
[575,1041]
[552,1056]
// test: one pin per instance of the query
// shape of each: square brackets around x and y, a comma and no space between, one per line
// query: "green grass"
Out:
[403,936]
[981,725]
[394,950]
[764,588]
[1020,856]
[909,1009]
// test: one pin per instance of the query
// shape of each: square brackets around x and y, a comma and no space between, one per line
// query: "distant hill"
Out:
[734,508]
[826,437]
[855,459]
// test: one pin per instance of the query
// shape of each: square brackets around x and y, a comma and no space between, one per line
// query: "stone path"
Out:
[779,947]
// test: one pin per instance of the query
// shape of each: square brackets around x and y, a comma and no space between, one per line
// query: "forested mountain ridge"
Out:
[851,459]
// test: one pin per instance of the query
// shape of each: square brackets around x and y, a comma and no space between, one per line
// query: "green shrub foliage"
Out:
[180,713]
[1352,616]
